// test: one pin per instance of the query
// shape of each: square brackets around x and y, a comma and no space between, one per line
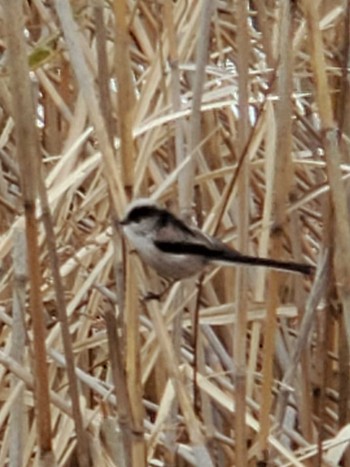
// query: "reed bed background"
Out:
[234,114]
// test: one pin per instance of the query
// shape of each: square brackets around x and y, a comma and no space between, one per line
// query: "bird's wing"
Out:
[191,240]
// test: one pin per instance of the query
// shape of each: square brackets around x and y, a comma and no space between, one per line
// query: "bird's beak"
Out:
[122,222]
[119,224]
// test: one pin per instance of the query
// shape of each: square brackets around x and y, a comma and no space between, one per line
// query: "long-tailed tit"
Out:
[177,251]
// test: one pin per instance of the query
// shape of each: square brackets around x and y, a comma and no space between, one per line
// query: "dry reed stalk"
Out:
[126,97]
[82,441]
[124,418]
[202,46]
[28,162]
[17,419]
[280,185]
[239,344]
[132,359]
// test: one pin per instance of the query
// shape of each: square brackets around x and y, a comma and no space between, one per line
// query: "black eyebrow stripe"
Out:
[164,217]
[142,211]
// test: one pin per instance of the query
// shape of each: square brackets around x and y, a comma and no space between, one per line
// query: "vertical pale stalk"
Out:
[175,89]
[264,240]
[102,65]
[132,359]
[338,194]
[121,390]
[177,337]
[186,194]
[125,95]
[265,22]
[270,142]
[281,182]
[28,160]
[240,329]
[18,346]
[126,103]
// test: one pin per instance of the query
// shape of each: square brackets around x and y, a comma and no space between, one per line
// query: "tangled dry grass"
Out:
[232,113]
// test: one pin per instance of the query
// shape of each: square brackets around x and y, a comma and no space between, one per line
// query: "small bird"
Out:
[178,251]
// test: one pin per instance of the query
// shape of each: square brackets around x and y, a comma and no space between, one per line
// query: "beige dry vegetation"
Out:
[234,112]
